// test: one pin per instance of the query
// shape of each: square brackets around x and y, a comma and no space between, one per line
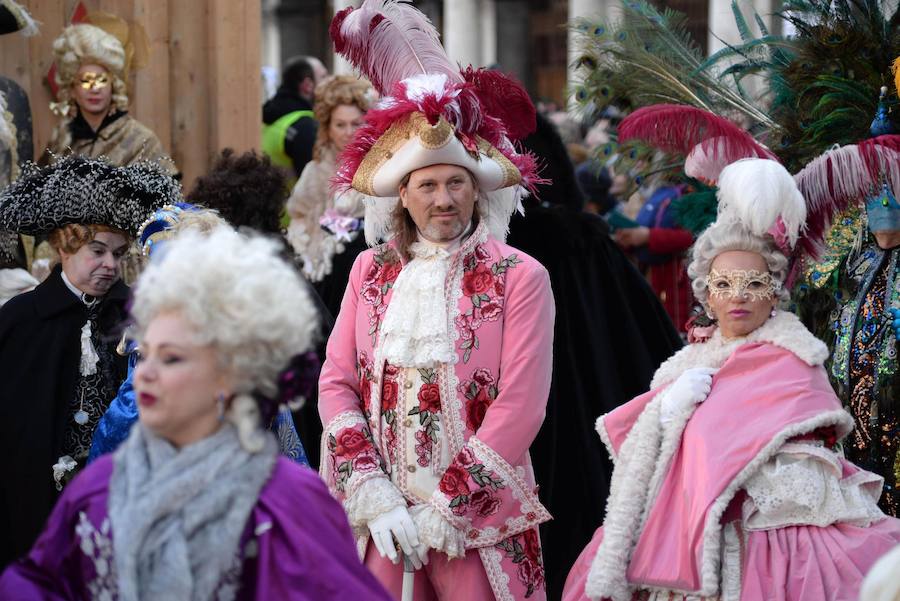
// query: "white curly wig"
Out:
[725,236]
[83,44]
[240,297]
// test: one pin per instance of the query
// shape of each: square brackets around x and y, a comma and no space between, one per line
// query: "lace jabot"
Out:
[416,329]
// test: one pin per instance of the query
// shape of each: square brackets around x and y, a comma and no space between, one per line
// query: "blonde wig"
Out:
[332,93]
[79,45]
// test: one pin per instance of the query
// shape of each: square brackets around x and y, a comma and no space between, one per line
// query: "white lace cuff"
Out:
[436,532]
[374,497]
[802,485]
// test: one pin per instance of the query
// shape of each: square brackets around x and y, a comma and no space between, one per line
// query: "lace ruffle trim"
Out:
[374,497]
[437,533]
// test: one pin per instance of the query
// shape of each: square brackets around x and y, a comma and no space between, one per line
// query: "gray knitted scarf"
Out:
[177,515]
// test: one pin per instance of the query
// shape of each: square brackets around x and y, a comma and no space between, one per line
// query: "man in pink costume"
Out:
[438,368]
[728,481]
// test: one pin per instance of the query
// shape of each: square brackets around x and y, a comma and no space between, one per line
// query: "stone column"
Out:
[513,35]
[271,47]
[488,32]
[462,31]
[340,66]
[579,9]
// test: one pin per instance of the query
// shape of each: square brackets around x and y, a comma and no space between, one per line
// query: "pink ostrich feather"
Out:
[389,41]
[709,141]
[842,177]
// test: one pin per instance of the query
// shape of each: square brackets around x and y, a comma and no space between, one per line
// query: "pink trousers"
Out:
[461,579]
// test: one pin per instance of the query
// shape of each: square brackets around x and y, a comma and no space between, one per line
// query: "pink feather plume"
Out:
[711,142]
[389,41]
[843,177]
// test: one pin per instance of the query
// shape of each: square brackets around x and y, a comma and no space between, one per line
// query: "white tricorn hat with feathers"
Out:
[431,113]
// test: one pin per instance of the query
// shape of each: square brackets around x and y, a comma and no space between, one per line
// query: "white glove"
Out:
[691,387]
[397,524]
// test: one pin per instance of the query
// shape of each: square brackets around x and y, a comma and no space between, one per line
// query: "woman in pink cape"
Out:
[729,482]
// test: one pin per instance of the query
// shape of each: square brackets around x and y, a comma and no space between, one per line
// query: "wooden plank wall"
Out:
[201,90]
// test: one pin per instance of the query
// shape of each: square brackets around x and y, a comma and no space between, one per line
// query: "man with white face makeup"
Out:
[57,342]
[438,368]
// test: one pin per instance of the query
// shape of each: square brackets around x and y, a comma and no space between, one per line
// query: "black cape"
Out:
[611,334]
[40,352]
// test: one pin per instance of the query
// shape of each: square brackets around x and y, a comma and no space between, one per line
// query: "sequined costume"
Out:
[844,299]
[863,366]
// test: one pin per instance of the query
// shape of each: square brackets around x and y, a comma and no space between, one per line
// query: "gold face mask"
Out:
[93,81]
[753,285]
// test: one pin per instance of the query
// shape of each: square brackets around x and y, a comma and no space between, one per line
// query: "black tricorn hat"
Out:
[13,18]
[87,191]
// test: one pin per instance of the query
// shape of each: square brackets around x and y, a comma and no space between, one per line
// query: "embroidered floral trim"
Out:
[352,451]
[349,454]
[466,496]
[429,413]
[479,392]
[486,288]
[380,279]
[525,552]
[97,546]
[390,394]
[366,376]
[469,486]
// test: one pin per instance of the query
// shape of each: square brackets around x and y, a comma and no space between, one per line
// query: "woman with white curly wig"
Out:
[92,68]
[728,481]
[197,504]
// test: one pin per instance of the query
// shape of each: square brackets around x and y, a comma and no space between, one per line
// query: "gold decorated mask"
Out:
[94,81]
[740,283]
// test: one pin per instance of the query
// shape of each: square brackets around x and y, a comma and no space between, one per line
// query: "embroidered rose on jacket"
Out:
[490,310]
[465,458]
[525,551]
[532,545]
[479,392]
[390,391]
[380,278]
[424,448]
[455,483]
[428,412]
[484,503]
[371,293]
[365,463]
[389,273]
[429,398]
[350,443]
[463,478]
[478,281]
[364,371]
[351,450]
[484,286]
[482,377]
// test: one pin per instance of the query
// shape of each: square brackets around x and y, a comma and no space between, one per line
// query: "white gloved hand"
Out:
[397,524]
[691,387]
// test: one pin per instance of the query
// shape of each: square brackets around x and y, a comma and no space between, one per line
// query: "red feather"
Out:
[677,128]
[843,177]
[504,98]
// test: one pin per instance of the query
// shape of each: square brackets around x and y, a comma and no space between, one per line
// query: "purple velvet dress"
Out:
[297,545]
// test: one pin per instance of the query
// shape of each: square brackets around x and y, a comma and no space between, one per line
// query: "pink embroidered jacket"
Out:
[490,404]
